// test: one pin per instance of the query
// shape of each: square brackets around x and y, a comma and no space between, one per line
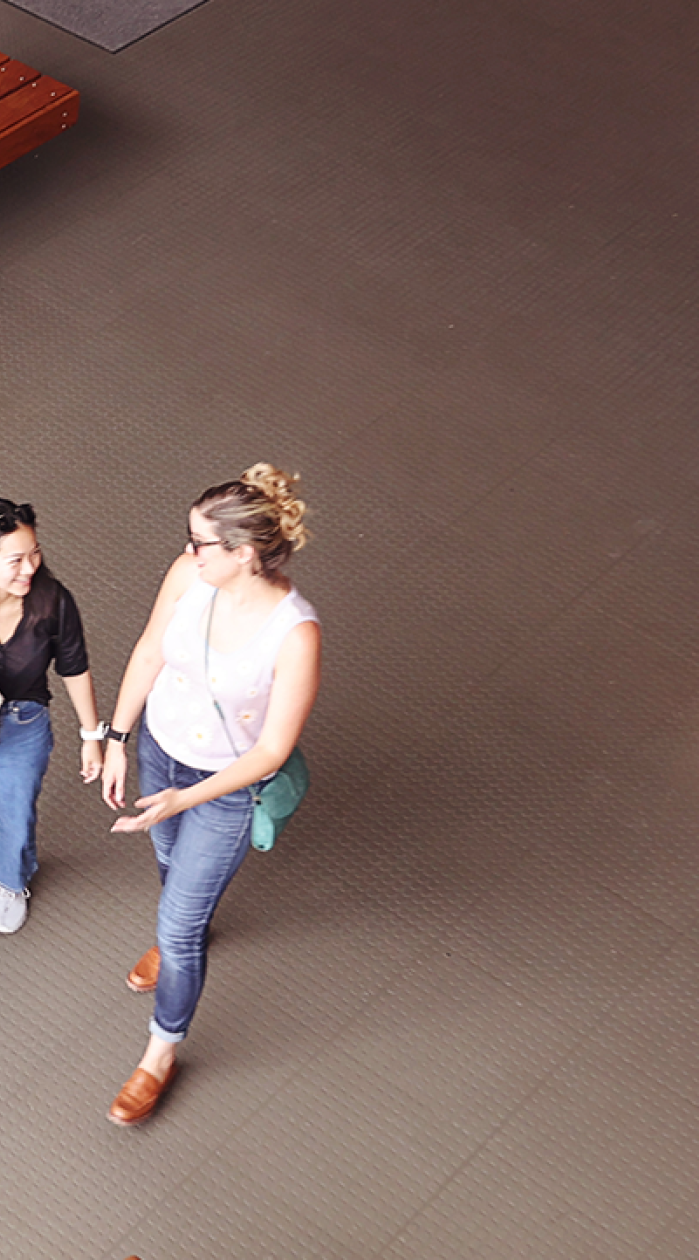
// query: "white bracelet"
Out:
[97,734]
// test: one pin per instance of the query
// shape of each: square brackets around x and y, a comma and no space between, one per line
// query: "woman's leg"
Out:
[25,747]
[157,771]
[210,845]
[212,842]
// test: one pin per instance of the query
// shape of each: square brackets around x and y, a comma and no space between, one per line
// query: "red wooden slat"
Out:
[31,130]
[13,74]
[33,108]
[29,100]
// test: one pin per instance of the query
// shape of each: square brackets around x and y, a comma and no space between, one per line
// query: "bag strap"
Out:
[214,701]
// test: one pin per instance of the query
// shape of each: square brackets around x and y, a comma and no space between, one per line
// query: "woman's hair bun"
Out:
[12,515]
[278,489]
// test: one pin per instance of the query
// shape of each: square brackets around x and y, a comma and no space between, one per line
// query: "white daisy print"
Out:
[252,692]
[200,736]
[181,682]
[247,715]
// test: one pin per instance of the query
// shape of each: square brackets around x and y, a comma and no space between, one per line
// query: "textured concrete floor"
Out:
[112,25]
[442,258]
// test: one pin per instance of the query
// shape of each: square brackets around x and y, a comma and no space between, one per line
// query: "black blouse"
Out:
[50,629]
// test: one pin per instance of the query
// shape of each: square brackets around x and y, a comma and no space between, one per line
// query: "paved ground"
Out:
[441,258]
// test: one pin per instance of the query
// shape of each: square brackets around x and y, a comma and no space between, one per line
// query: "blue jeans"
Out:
[198,852]
[25,747]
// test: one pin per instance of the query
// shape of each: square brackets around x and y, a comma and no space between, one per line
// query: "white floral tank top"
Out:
[180,710]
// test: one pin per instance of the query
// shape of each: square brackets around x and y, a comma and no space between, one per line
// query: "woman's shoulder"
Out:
[181,577]
[180,584]
[303,609]
[61,593]
[44,595]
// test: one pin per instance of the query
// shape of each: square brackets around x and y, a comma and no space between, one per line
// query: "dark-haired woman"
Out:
[228,669]
[39,623]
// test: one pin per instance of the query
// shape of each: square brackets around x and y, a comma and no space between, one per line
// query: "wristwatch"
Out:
[99,732]
[120,736]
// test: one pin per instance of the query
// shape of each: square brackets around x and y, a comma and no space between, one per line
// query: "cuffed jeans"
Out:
[25,747]
[198,852]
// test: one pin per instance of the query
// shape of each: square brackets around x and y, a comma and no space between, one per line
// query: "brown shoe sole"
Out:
[141,988]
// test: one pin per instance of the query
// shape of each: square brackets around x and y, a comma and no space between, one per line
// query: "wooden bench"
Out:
[33,109]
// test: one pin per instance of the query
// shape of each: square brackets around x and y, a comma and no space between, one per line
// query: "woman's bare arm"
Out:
[295,686]
[81,691]
[144,665]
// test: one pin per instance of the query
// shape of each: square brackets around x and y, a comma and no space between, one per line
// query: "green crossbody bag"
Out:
[277,801]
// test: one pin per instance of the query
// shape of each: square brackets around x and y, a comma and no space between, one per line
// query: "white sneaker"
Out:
[13,909]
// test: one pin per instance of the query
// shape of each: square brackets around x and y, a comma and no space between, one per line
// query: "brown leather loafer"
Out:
[144,976]
[139,1096]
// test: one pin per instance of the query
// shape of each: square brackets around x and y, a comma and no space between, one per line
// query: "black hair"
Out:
[42,599]
[12,515]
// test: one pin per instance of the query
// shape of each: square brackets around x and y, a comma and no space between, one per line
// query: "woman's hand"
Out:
[156,809]
[91,760]
[114,775]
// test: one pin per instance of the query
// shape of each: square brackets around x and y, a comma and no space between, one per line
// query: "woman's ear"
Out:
[246,554]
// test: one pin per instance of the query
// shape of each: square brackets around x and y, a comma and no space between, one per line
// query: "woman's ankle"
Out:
[158,1058]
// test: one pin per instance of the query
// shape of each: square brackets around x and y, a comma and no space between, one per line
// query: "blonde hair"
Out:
[259,509]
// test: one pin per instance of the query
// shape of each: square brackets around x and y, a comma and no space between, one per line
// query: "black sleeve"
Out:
[71,653]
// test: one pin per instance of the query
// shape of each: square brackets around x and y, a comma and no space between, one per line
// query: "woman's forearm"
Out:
[248,769]
[82,697]
[140,674]
[294,691]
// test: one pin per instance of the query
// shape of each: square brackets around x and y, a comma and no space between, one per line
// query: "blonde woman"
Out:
[227,670]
